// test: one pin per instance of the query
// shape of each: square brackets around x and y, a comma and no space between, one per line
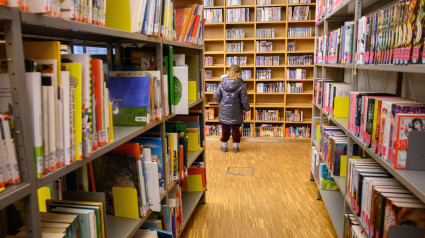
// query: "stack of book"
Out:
[246,74]
[233,2]
[210,87]
[294,116]
[238,60]
[208,60]
[298,1]
[264,73]
[234,47]
[264,2]
[237,15]
[235,33]
[297,132]
[300,32]
[300,60]
[268,130]
[299,13]
[264,46]
[209,113]
[268,14]
[277,87]
[247,116]
[208,74]
[294,87]
[213,15]
[267,115]
[267,60]
[247,129]
[213,130]
[291,46]
[296,74]
[266,33]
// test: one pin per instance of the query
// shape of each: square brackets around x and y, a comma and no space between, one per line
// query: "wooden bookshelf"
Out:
[215,46]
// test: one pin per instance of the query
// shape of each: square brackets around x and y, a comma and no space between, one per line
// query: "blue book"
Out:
[130,97]
[155,144]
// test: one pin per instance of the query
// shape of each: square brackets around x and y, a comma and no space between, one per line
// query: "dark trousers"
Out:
[236,134]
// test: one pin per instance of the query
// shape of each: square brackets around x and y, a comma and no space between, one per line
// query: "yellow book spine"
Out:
[75,77]
[111,127]
[171,142]
[375,117]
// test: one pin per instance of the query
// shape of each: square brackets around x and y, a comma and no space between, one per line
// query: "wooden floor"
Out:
[278,201]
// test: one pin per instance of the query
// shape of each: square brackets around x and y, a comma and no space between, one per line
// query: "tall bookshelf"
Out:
[215,46]
[16,25]
[337,202]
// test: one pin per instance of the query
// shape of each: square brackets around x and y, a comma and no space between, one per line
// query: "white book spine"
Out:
[67,141]
[10,146]
[51,128]
[8,161]
[106,105]
[38,6]
[152,180]
[33,82]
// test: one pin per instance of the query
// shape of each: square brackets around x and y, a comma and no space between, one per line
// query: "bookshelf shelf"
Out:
[270,122]
[302,4]
[192,156]
[304,93]
[123,227]
[353,211]
[215,24]
[181,44]
[189,200]
[306,21]
[298,122]
[213,52]
[214,7]
[334,203]
[13,193]
[40,25]
[195,103]
[122,134]
[252,30]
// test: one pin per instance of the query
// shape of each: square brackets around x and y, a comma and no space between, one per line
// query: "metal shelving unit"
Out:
[413,180]
[16,26]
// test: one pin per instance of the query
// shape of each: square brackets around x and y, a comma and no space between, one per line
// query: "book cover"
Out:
[181,93]
[130,97]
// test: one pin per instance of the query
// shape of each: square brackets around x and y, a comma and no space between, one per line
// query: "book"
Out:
[181,102]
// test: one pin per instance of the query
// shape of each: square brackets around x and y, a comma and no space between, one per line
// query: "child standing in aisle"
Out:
[233,98]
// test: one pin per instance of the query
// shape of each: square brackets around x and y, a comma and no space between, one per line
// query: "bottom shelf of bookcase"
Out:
[334,203]
[117,227]
[189,202]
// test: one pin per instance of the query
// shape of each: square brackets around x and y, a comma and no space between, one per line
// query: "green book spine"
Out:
[171,77]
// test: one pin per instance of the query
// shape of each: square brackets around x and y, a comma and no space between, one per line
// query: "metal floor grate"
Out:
[240,171]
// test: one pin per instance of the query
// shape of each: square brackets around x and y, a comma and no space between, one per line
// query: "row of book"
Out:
[326,7]
[208,60]
[379,200]
[321,173]
[294,116]
[298,1]
[208,74]
[383,122]
[277,87]
[233,2]
[336,46]
[299,13]
[247,129]
[296,74]
[392,35]
[92,12]
[267,60]
[9,168]
[150,17]
[300,32]
[300,60]
[268,130]
[264,2]
[267,115]
[247,116]
[209,3]
[246,74]
[327,92]
[238,60]
[352,227]
[70,106]
[235,33]
[294,87]
[234,47]
[265,14]
[297,132]
[266,33]
[263,73]
[213,130]
[209,113]
[210,87]
[213,15]
[291,46]
[264,46]
[237,15]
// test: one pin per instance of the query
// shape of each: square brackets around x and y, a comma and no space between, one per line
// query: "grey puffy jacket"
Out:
[233,99]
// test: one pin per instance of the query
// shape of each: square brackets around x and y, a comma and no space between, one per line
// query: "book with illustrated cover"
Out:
[405,123]
[130,97]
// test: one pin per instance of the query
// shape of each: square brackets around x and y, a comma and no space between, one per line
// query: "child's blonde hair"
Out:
[234,72]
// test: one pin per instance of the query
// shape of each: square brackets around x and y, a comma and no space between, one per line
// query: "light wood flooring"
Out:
[278,201]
